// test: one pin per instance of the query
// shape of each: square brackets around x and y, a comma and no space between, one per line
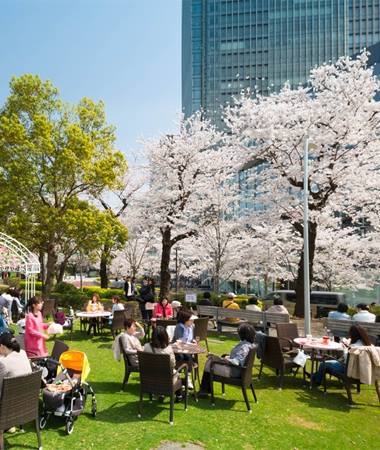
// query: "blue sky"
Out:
[125,52]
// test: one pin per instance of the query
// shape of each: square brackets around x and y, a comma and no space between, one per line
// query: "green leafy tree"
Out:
[51,155]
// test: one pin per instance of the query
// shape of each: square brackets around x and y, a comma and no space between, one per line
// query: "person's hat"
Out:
[176,304]
[231,295]
[193,317]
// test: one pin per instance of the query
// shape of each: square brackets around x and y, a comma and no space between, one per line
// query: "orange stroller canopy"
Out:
[76,361]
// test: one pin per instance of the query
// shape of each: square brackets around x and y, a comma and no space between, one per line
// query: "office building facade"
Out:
[232,45]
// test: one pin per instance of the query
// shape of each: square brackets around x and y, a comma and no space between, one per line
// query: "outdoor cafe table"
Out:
[94,318]
[185,348]
[318,351]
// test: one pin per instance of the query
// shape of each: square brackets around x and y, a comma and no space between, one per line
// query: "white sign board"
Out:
[191,297]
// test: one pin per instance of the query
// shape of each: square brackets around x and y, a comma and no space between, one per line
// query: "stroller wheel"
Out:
[70,425]
[42,423]
[93,408]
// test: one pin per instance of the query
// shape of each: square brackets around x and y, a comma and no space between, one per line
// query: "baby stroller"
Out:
[66,396]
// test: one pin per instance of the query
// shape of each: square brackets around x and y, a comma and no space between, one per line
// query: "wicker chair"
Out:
[157,378]
[287,332]
[200,329]
[117,323]
[275,358]
[128,366]
[346,381]
[50,362]
[19,403]
[244,381]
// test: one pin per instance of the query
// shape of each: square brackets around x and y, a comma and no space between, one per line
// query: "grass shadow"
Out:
[120,412]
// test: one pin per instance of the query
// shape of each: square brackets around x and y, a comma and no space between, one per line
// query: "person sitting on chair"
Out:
[231,304]
[357,338]
[163,309]
[229,365]
[94,305]
[159,343]
[130,340]
[363,314]
[184,330]
[253,304]
[340,313]
[14,361]
[277,307]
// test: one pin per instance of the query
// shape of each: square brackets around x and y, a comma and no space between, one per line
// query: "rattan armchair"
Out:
[244,380]
[157,378]
[346,380]
[19,403]
[129,367]
[200,329]
[117,323]
[275,358]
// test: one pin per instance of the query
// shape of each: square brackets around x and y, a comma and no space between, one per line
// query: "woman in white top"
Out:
[130,339]
[15,361]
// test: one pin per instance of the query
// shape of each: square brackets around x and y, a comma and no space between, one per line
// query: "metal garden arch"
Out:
[15,257]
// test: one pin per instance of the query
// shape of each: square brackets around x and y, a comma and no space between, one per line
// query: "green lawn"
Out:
[294,418]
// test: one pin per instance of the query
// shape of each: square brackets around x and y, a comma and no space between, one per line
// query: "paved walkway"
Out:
[178,446]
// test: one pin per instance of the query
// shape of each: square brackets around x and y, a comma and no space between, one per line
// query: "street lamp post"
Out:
[306,274]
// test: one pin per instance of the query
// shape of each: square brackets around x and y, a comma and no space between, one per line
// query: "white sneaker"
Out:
[190,384]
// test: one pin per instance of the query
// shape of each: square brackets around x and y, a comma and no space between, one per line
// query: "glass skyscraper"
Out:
[230,45]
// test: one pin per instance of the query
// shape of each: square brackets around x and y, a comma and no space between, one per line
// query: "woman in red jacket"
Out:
[34,329]
[163,309]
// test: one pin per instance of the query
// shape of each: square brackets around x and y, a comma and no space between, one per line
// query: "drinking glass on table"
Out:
[197,340]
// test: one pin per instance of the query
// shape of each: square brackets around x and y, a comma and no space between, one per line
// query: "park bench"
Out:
[340,328]
[259,319]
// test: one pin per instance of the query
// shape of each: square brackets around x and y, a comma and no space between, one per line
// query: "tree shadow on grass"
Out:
[121,412]
[113,387]
[338,401]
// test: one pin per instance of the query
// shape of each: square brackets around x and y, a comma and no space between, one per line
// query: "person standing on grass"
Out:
[34,329]
[129,288]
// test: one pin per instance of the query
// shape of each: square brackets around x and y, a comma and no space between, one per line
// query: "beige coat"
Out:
[364,364]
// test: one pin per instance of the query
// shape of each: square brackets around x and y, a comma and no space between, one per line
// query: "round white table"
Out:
[316,346]
[94,318]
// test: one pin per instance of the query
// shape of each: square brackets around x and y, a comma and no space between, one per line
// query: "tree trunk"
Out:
[61,271]
[165,262]
[299,282]
[104,258]
[50,270]
[41,275]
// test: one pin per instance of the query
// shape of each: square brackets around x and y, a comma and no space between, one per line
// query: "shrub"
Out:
[14,282]
[103,293]
[65,288]
[76,301]
[38,285]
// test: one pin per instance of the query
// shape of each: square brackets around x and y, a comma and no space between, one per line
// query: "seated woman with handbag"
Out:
[228,365]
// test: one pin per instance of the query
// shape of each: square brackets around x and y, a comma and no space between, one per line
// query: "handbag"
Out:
[301,358]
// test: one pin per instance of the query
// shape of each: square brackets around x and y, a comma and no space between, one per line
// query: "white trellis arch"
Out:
[15,257]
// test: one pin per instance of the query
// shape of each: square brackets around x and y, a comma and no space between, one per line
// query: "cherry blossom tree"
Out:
[339,113]
[181,167]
